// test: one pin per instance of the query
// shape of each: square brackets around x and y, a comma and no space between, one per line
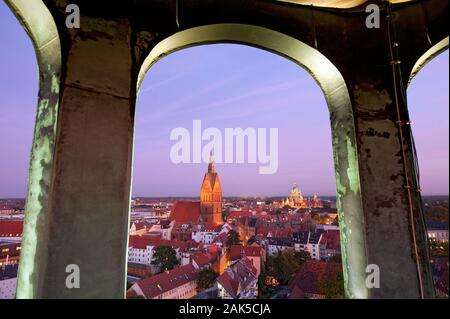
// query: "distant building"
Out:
[307,241]
[11,230]
[211,197]
[142,248]
[276,245]
[255,254]
[138,270]
[239,281]
[209,209]
[181,231]
[437,231]
[178,283]
[296,200]
[330,245]
[205,233]
[9,253]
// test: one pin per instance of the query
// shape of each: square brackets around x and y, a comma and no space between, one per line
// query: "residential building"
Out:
[178,283]
[255,254]
[437,231]
[239,281]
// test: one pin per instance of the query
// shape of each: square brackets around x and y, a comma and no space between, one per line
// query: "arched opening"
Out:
[342,125]
[41,28]
[428,102]
[18,100]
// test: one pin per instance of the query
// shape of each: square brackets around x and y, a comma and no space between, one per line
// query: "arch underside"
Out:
[336,94]
[350,165]
[41,28]
[429,55]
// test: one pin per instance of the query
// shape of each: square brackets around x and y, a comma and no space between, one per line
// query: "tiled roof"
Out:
[238,276]
[141,242]
[280,242]
[229,282]
[201,259]
[11,228]
[274,232]
[314,238]
[235,214]
[185,212]
[237,251]
[301,237]
[331,239]
[166,281]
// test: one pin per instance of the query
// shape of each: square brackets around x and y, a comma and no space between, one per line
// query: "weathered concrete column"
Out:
[88,218]
[394,227]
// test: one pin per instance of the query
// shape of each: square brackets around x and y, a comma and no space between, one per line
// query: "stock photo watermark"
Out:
[73,279]
[373,19]
[373,277]
[73,17]
[259,144]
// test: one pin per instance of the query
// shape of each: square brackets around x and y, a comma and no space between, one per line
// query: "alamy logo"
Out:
[73,17]
[73,279]
[373,19]
[373,277]
[230,147]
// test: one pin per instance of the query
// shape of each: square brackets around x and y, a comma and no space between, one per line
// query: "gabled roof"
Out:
[166,281]
[238,251]
[314,238]
[331,239]
[185,212]
[201,259]
[280,242]
[142,242]
[301,237]
[238,276]
[274,232]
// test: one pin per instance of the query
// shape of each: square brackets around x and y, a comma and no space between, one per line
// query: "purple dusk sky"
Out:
[224,86]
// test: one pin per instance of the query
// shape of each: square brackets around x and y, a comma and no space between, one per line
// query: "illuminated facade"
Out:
[211,197]
[296,200]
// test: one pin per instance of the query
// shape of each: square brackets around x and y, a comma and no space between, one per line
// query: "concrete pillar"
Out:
[88,219]
[394,232]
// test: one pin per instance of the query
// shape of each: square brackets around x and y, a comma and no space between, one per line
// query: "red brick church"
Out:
[209,209]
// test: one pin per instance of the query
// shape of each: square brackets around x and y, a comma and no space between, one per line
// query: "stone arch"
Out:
[429,55]
[332,83]
[41,28]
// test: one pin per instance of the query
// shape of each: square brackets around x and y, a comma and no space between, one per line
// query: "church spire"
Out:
[211,163]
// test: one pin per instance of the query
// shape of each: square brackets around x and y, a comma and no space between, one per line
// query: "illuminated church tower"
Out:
[211,197]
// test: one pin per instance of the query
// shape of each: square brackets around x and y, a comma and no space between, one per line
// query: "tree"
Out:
[285,264]
[165,257]
[438,249]
[206,278]
[333,288]
[302,256]
[233,239]
[437,213]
